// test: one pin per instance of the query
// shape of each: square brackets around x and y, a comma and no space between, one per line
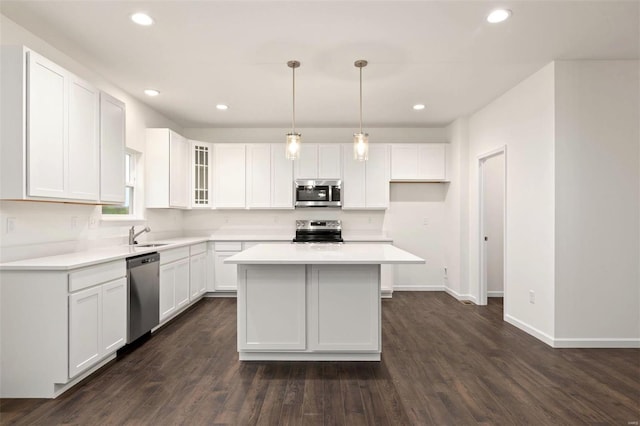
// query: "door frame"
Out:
[482,279]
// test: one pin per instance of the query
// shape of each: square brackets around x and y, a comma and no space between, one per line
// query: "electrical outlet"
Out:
[74,222]
[425,222]
[532,297]
[445,271]
[93,222]
[11,225]
[369,219]
[226,219]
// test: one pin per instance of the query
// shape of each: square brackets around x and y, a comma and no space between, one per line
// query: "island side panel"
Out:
[344,308]
[271,308]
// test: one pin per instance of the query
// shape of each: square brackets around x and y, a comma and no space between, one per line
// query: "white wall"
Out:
[597,200]
[523,120]
[456,232]
[48,228]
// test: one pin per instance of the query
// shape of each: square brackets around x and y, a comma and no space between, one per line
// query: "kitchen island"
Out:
[312,302]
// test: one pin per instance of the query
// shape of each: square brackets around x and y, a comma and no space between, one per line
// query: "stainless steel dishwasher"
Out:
[143,277]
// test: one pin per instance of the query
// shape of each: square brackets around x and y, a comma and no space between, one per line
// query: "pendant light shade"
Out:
[293,146]
[294,139]
[361,140]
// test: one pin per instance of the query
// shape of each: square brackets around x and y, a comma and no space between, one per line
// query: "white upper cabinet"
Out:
[354,180]
[258,175]
[112,148]
[329,161]
[47,118]
[201,174]
[418,162]
[281,178]
[377,176]
[269,177]
[51,142]
[84,144]
[166,176]
[319,161]
[178,172]
[306,166]
[365,184]
[229,175]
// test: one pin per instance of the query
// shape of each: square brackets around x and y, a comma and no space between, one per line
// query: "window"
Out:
[127,209]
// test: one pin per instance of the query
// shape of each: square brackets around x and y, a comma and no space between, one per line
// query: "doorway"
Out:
[492,205]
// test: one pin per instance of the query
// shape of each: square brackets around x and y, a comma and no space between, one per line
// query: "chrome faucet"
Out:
[133,235]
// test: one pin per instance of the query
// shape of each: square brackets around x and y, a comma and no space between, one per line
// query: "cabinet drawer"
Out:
[198,248]
[228,246]
[94,275]
[169,256]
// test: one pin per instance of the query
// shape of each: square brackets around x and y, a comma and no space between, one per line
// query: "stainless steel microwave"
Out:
[318,193]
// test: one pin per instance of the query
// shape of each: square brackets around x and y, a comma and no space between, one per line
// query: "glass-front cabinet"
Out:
[201,162]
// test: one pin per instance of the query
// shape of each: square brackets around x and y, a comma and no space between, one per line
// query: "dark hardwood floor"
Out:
[443,363]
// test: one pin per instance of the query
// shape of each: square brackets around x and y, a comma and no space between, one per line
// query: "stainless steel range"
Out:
[318,231]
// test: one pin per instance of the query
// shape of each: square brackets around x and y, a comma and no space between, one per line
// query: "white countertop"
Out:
[322,254]
[81,259]
[84,258]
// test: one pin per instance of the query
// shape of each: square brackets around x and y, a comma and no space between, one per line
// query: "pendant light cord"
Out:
[293,121]
[360,99]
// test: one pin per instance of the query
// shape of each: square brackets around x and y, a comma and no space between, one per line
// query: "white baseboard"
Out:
[544,337]
[459,296]
[596,343]
[221,294]
[495,293]
[570,342]
[418,288]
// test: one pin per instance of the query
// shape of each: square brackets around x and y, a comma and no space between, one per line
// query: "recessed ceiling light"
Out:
[151,92]
[222,107]
[498,15]
[418,107]
[142,19]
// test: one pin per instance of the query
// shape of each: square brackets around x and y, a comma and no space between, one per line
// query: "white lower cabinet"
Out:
[183,278]
[277,297]
[345,309]
[97,324]
[114,315]
[97,314]
[167,291]
[225,275]
[308,309]
[174,287]
[85,339]
[182,282]
[226,278]
[197,272]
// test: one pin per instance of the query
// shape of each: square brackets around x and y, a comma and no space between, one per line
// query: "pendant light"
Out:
[361,140]
[293,139]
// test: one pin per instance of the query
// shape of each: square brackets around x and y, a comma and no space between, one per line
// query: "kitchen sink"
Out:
[152,245]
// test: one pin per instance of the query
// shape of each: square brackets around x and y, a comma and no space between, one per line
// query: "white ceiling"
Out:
[440,53]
